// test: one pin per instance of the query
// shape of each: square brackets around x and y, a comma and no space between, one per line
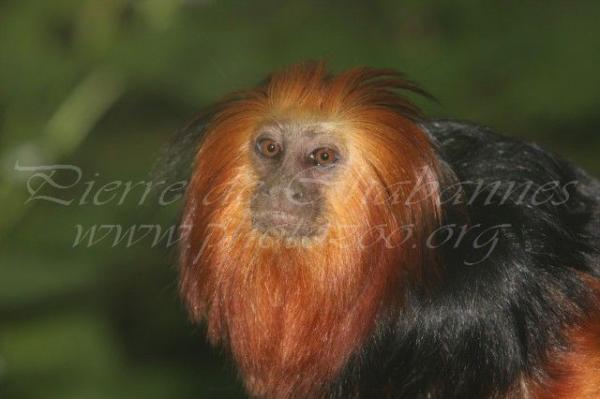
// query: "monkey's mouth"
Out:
[284,224]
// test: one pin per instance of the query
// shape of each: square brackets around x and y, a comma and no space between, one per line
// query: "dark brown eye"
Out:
[323,157]
[268,148]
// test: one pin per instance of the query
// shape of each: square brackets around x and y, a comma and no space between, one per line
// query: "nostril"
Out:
[294,195]
[298,195]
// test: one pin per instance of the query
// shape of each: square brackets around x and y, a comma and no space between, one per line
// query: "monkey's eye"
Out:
[268,148]
[323,157]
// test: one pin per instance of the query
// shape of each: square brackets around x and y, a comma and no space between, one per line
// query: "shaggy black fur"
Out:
[496,312]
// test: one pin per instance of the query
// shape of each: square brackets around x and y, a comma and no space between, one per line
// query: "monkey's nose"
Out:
[286,197]
[283,210]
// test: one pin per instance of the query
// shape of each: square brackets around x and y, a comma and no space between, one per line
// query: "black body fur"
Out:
[490,323]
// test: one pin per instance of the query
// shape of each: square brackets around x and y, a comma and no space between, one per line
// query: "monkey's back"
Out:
[482,159]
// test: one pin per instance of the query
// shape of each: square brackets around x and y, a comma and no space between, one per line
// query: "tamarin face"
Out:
[295,161]
[310,158]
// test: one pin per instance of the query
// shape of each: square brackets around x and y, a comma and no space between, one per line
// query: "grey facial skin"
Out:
[295,163]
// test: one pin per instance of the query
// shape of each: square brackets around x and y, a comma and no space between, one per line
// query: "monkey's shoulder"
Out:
[549,203]
[479,151]
[482,159]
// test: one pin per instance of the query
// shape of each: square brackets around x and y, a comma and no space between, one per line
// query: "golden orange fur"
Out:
[574,371]
[292,313]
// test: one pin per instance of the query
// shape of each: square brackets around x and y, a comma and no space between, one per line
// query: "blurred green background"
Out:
[103,84]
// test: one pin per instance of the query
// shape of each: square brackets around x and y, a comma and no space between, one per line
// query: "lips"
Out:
[281,223]
[277,218]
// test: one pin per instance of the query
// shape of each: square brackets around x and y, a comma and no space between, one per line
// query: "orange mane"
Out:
[292,314]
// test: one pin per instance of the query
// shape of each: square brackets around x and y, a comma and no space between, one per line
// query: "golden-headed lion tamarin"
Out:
[339,244]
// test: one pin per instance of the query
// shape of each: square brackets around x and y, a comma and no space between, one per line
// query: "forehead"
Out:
[289,129]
